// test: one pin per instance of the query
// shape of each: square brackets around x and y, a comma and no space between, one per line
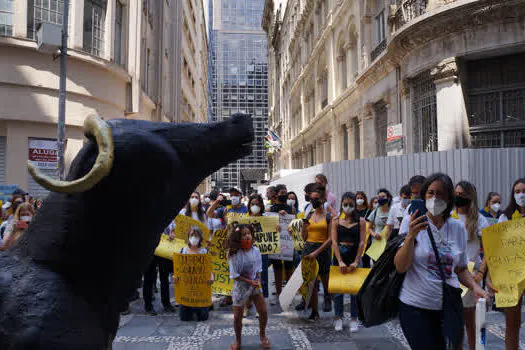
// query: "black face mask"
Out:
[316,203]
[461,201]
[283,198]
[306,198]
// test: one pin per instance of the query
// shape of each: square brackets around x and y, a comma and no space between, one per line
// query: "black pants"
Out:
[186,313]
[150,277]
[365,259]
[422,327]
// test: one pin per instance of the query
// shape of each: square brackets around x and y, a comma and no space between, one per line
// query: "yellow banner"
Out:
[166,248]
[295,228]
[504,247]
[310,270]
[378,246]
[222,285]
[267,239]
[184,223]
[348,283]
[194,272]
[232,217]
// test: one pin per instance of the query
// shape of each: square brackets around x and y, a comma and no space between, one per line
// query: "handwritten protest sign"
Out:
[166,248]
[464,289]
[222,285]
[184,223]
[348,283]
[231,217]
[290,290]
[193,272]
[378,246]
[504,247]
[310,270]
[266,237]
[296,227]
[285,238]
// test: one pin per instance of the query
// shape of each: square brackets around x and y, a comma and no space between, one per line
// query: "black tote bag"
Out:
[453,318]
[378,298]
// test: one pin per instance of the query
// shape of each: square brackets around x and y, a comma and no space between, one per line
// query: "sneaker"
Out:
[151,311]
[354,326]
[301,306]
[169,308]
[314,316]
[327,305]
[338,325]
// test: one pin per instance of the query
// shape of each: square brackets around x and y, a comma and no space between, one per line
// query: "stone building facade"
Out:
[346,76]
[127,59]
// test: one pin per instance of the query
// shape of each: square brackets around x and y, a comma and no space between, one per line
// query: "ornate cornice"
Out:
[446,69]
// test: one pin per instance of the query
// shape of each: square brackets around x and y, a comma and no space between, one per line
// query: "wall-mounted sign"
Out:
[43,153]
[394,140]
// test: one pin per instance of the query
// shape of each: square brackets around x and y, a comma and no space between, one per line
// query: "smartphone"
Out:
[225,202]
[418,204]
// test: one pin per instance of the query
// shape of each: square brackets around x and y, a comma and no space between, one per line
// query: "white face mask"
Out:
[255,209]
[194,202]
[360,201]
[348,209]
[235,200]
[520,199]
[376,205]
[495,207]
[291,202]
[26,218]
[194,241]
[436,206]
[207,200]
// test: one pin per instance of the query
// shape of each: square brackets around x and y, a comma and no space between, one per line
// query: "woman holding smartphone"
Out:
[23,215]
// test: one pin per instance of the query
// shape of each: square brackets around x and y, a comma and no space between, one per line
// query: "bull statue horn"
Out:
[95,126]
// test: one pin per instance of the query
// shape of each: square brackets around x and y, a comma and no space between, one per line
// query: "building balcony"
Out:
[407,10]
[378,49]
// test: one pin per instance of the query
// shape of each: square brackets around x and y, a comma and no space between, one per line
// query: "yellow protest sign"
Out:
[348,283]
[296,227]
[222,284]
[166,248]
[184,223]
[193,272]
[310,270]
[266,237]
[232,217]
[377,247]
[504,247]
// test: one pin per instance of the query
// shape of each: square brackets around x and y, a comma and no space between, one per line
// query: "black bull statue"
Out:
[65,282]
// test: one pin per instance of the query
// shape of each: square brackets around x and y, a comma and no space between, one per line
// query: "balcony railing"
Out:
[407,10]
[377,51]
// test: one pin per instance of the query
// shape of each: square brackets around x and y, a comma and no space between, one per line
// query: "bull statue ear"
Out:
[101,131]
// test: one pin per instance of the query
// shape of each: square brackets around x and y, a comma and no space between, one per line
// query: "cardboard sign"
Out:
[167,248]
[378,246]
[348,283]
[266,237]
[232,217]
[194,272]
[290,290]
[222,285]
[287,245]
[183,224]
[295,228]
[504,247]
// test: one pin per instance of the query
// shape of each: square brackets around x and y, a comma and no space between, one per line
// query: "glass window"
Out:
[380,27]
[94,20]
[6,17]
[39,11]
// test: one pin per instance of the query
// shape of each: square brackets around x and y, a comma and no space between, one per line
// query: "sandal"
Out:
[265,343]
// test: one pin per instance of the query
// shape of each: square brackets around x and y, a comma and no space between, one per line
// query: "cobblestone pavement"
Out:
[165,331]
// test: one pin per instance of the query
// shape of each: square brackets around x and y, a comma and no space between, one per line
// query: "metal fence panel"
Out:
[493,169]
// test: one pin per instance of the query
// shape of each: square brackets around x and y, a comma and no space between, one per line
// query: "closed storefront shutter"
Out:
[37,191]
[2,159]
[43,153]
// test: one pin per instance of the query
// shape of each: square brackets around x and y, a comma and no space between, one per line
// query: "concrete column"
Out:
[452,120]
[20,18]
[134,51]
[332,65]
[303,107]
[76,25]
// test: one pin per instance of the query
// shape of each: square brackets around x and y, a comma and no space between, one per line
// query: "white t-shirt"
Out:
[379,219]
[245,263]
[474,246]
[194,215]
[422,286]
[397,212]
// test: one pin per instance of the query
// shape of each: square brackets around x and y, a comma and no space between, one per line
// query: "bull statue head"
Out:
[65,282]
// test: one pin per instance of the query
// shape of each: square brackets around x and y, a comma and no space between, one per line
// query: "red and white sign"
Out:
[394,132]
[43,153]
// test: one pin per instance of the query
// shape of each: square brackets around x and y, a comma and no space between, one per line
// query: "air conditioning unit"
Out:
[48,37]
